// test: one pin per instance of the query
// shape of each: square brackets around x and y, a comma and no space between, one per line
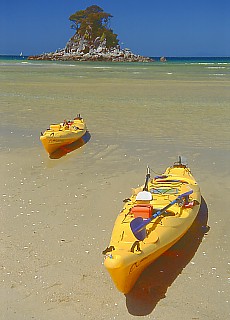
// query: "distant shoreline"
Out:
[154,59]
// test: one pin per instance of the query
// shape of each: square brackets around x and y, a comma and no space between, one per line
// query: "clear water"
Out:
[138,108]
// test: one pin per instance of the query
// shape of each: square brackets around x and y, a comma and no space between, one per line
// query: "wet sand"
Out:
[57,214]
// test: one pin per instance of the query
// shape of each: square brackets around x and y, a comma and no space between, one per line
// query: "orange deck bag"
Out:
[142,210]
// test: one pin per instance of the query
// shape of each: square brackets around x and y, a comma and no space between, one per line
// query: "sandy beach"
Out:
[57,214]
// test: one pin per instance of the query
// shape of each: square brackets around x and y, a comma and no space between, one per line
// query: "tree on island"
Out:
[93,40]
[93,24]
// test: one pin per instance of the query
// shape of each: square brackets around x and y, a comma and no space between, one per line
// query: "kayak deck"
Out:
[126,257]
[62,134]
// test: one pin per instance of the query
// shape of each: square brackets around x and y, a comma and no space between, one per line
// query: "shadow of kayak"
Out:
[154,282]
[62,151]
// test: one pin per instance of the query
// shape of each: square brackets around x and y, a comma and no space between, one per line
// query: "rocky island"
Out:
[93,40]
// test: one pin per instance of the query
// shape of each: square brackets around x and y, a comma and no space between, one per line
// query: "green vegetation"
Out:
[93,23]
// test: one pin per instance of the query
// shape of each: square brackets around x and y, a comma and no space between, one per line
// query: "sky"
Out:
[173,28]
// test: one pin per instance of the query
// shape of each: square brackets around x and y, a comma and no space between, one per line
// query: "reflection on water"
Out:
[154,282]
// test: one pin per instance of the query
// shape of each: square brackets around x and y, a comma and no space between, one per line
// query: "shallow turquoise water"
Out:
[169,103]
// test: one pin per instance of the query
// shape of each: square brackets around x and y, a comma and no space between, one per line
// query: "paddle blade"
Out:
[137,226]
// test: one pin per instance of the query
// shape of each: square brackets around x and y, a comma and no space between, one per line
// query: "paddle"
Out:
[138,225]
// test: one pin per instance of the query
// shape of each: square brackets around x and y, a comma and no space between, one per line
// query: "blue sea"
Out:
[157,59]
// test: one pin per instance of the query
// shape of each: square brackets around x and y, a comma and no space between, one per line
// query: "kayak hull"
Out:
[60,135]
[127,257]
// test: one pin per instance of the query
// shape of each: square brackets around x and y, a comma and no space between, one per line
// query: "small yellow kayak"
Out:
[62,134]
[153,219]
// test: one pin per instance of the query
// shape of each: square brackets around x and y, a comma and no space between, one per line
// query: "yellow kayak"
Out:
[62,134]
[154,218]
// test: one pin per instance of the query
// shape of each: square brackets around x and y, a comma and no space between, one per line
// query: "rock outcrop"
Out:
[80,49]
